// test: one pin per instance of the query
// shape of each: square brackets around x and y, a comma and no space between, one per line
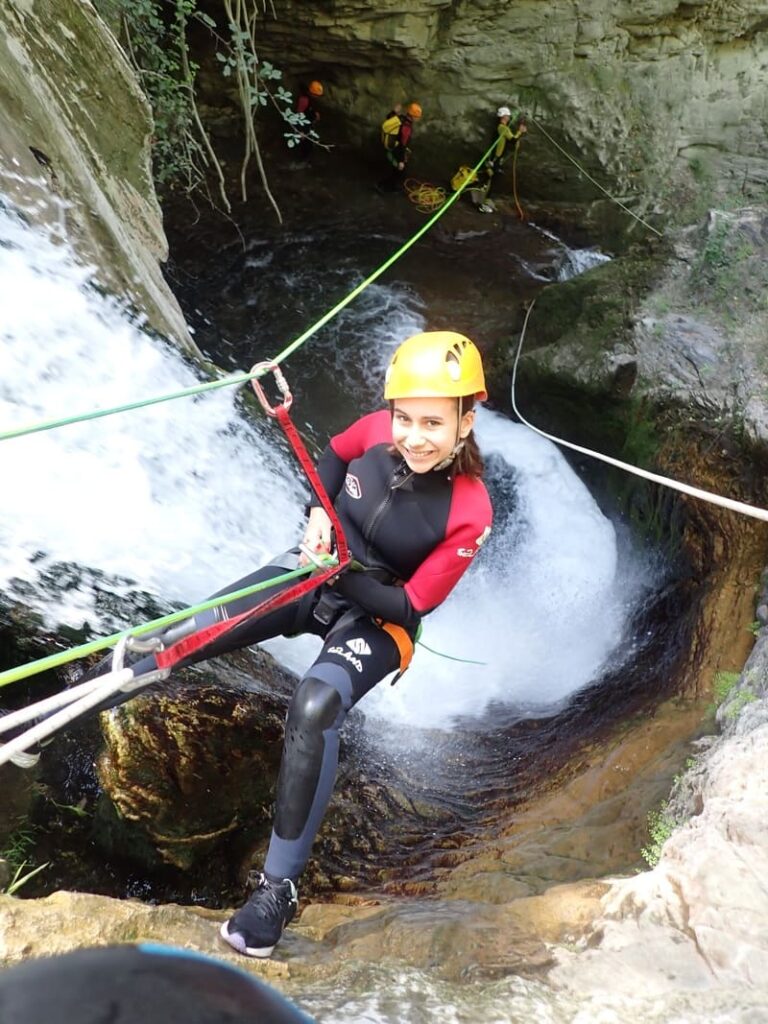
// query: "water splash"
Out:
[388,995]
[544,606]
[567,262]
[181,498]
[170,497]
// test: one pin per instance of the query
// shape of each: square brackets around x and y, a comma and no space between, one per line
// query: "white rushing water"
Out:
[381,995]
[186,496]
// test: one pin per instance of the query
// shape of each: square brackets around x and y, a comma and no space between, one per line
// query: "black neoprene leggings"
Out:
[355,656]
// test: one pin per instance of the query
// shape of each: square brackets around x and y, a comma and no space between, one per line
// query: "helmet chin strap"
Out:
[459,441]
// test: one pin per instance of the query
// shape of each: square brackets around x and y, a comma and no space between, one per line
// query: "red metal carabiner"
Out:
[282,385]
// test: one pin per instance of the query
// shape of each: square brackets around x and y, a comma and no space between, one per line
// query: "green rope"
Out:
[55,660]
[450,657]
[242,378]
[32,668]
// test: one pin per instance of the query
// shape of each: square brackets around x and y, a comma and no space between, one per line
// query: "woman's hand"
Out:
[317,536]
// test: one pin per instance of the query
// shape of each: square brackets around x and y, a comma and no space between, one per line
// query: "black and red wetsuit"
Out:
[400,149]
[422,529]
[415,534]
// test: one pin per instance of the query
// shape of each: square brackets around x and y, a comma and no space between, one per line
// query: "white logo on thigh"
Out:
[347,656]
[358,645]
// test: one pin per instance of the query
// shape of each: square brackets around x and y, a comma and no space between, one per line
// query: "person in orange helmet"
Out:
[306,104]
[396,141]
[406,485]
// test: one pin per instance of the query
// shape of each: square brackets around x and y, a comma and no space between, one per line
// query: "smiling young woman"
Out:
[406,486]
[425,431]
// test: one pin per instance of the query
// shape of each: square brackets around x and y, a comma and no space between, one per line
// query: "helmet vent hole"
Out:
[453,364]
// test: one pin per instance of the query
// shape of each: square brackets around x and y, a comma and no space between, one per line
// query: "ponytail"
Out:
[469,461]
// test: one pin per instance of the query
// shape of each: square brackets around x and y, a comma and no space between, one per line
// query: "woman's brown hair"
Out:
[469,461]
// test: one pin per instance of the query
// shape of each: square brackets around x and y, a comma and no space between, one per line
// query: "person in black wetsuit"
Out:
[406,485]
[143,984]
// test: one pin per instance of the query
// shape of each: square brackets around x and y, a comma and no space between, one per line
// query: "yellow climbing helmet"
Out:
[436,364]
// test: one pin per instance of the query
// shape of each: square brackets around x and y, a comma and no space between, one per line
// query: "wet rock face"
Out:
[645,92]
[188,774]
[75,156]
[701,911]
[190,771]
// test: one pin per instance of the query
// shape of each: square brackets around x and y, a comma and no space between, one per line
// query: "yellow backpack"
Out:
[390,129]
[463,174]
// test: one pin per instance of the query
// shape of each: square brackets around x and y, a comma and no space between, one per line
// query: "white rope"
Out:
[44,707]
[665,481]
[594,181]
[118,682]
[78,699]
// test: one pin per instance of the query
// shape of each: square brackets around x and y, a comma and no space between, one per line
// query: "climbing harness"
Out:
[424,196]
[695,492]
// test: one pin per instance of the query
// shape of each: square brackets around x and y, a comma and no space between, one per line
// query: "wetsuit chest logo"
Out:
[352,486]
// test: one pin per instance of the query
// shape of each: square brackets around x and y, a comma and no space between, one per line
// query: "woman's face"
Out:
[424,430]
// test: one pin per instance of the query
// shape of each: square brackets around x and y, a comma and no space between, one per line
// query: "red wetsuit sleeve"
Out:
[469,523]
[403,138]
[375,428]
[350,444]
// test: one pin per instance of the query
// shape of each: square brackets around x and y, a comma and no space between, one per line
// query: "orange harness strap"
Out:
[402,640]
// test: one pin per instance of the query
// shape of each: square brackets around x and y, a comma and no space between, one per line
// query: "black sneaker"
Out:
[256,928]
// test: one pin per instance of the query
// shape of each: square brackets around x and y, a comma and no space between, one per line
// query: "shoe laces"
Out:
[273,898]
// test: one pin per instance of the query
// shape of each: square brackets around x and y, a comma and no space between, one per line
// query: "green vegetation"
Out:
[723,683]
[18,845]
[728,277]
[155,36]
[700,170]
[661,825]
[16,852]
[19,879]
[739,702]
[723,692]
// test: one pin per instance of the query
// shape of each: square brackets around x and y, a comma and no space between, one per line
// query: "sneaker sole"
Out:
[237,942]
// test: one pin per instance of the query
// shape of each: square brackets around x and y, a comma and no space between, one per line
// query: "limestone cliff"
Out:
[75,132]
[654,97]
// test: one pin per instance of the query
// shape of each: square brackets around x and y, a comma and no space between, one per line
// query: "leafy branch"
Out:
[155,37]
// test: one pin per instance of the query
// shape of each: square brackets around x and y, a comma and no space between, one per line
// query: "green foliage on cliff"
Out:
[155,36]
[154,40]
[661,825]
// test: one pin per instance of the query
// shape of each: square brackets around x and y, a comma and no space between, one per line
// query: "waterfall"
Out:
[183,497]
